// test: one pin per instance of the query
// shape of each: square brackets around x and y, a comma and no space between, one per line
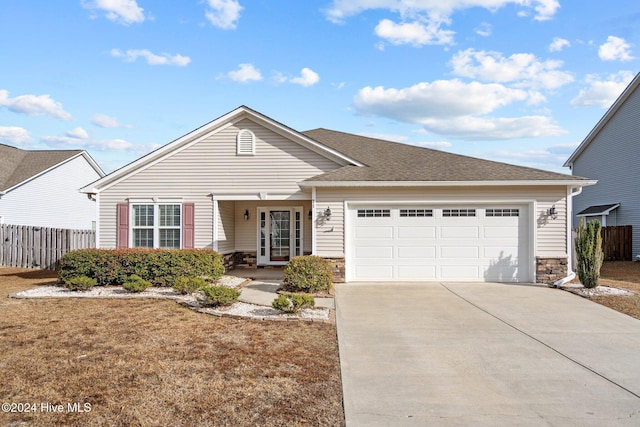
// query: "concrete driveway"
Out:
[484,354]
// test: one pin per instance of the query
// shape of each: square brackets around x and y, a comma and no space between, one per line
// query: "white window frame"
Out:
[240,143]
[156,221]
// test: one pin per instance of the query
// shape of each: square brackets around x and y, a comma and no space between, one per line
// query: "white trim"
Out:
[531,203]
[205,131]
[570,183]
[313,222]
[252,136]
[216,213]
[259,196]
[97,235]
[260,260]
[156,221]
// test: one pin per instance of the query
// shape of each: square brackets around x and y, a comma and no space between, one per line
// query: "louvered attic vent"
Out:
[246,143]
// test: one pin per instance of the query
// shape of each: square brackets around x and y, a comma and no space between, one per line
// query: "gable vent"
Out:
[246,142]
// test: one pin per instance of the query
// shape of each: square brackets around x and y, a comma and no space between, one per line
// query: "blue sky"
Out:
[518,81]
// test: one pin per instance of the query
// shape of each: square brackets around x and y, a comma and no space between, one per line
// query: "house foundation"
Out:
[550,270]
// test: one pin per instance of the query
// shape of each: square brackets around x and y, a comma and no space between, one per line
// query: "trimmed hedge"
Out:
[161,267]
[292,303]
[215,296]
[80,283]
[136,284]
[308,273]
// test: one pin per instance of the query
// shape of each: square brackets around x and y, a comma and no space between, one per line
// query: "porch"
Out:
[262,233]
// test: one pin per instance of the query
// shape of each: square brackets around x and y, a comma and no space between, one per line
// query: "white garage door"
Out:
[475,243]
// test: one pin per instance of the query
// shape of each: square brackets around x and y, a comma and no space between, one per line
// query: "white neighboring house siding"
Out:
[550,233]
[212,166]
[53,199]
[613,158]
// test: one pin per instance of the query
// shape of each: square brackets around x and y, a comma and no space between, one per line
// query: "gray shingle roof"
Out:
[598,210]
[18,165]
[392,161]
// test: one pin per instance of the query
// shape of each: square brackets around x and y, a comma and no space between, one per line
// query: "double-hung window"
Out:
[156,225]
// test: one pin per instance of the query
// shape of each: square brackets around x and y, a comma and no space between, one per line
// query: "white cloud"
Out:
[422,20]
[94,144]
[78,133]
[414,33]
[152,59]
[521,69]
[484,29]
[307,77]
[437,145]
[602,92]
[456,109]
[245,73]
[121,11]
[105,121]
[441,98]
[558,44]
[34,105]
[14,135]
[492,128]
[615,49]
[223,14]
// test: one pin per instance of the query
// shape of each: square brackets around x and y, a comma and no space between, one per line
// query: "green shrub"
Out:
[136,283]
[307,274]
[159,266]
[80,283]
[188,285]
[214,296]
[292,303]
[589,253]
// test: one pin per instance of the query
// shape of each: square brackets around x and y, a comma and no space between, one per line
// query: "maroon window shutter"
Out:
[122,224]
[188,225]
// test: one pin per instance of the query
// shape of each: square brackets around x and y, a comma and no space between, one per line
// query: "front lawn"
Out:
[153,362]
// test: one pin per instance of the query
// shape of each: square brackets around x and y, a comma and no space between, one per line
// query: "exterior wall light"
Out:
[246,214]
[327,213]
[552,212]
[310,215]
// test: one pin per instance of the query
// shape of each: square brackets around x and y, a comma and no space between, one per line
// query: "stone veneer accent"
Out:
[337,269]
[550,270]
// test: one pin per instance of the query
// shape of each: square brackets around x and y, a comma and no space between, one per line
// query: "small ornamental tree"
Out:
[589,253]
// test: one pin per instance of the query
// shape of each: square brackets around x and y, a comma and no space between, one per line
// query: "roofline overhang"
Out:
[567,183]
[604,212]
[604,120]
[82,153]
[196,134]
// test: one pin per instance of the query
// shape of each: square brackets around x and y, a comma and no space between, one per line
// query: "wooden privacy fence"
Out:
[29,246]
[617,242]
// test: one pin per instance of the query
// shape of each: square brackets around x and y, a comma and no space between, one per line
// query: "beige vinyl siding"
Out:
[550,234]
[226,227]
[211,166]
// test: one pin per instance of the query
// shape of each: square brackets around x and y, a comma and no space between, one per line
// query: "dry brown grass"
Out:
[623,275]
[150,362]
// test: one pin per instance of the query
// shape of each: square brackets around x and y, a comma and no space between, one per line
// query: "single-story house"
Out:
[610,153]
[42,187]
[260,192]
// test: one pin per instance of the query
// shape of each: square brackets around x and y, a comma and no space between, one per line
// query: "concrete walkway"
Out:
[262,289]
[484,354]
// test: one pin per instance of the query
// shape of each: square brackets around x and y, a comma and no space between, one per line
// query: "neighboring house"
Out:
[42,187]
[611,154]
[260,192]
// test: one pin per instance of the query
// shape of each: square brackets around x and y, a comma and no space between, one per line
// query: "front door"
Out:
[279,235]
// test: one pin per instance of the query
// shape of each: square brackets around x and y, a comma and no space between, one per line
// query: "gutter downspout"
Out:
[571,274]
